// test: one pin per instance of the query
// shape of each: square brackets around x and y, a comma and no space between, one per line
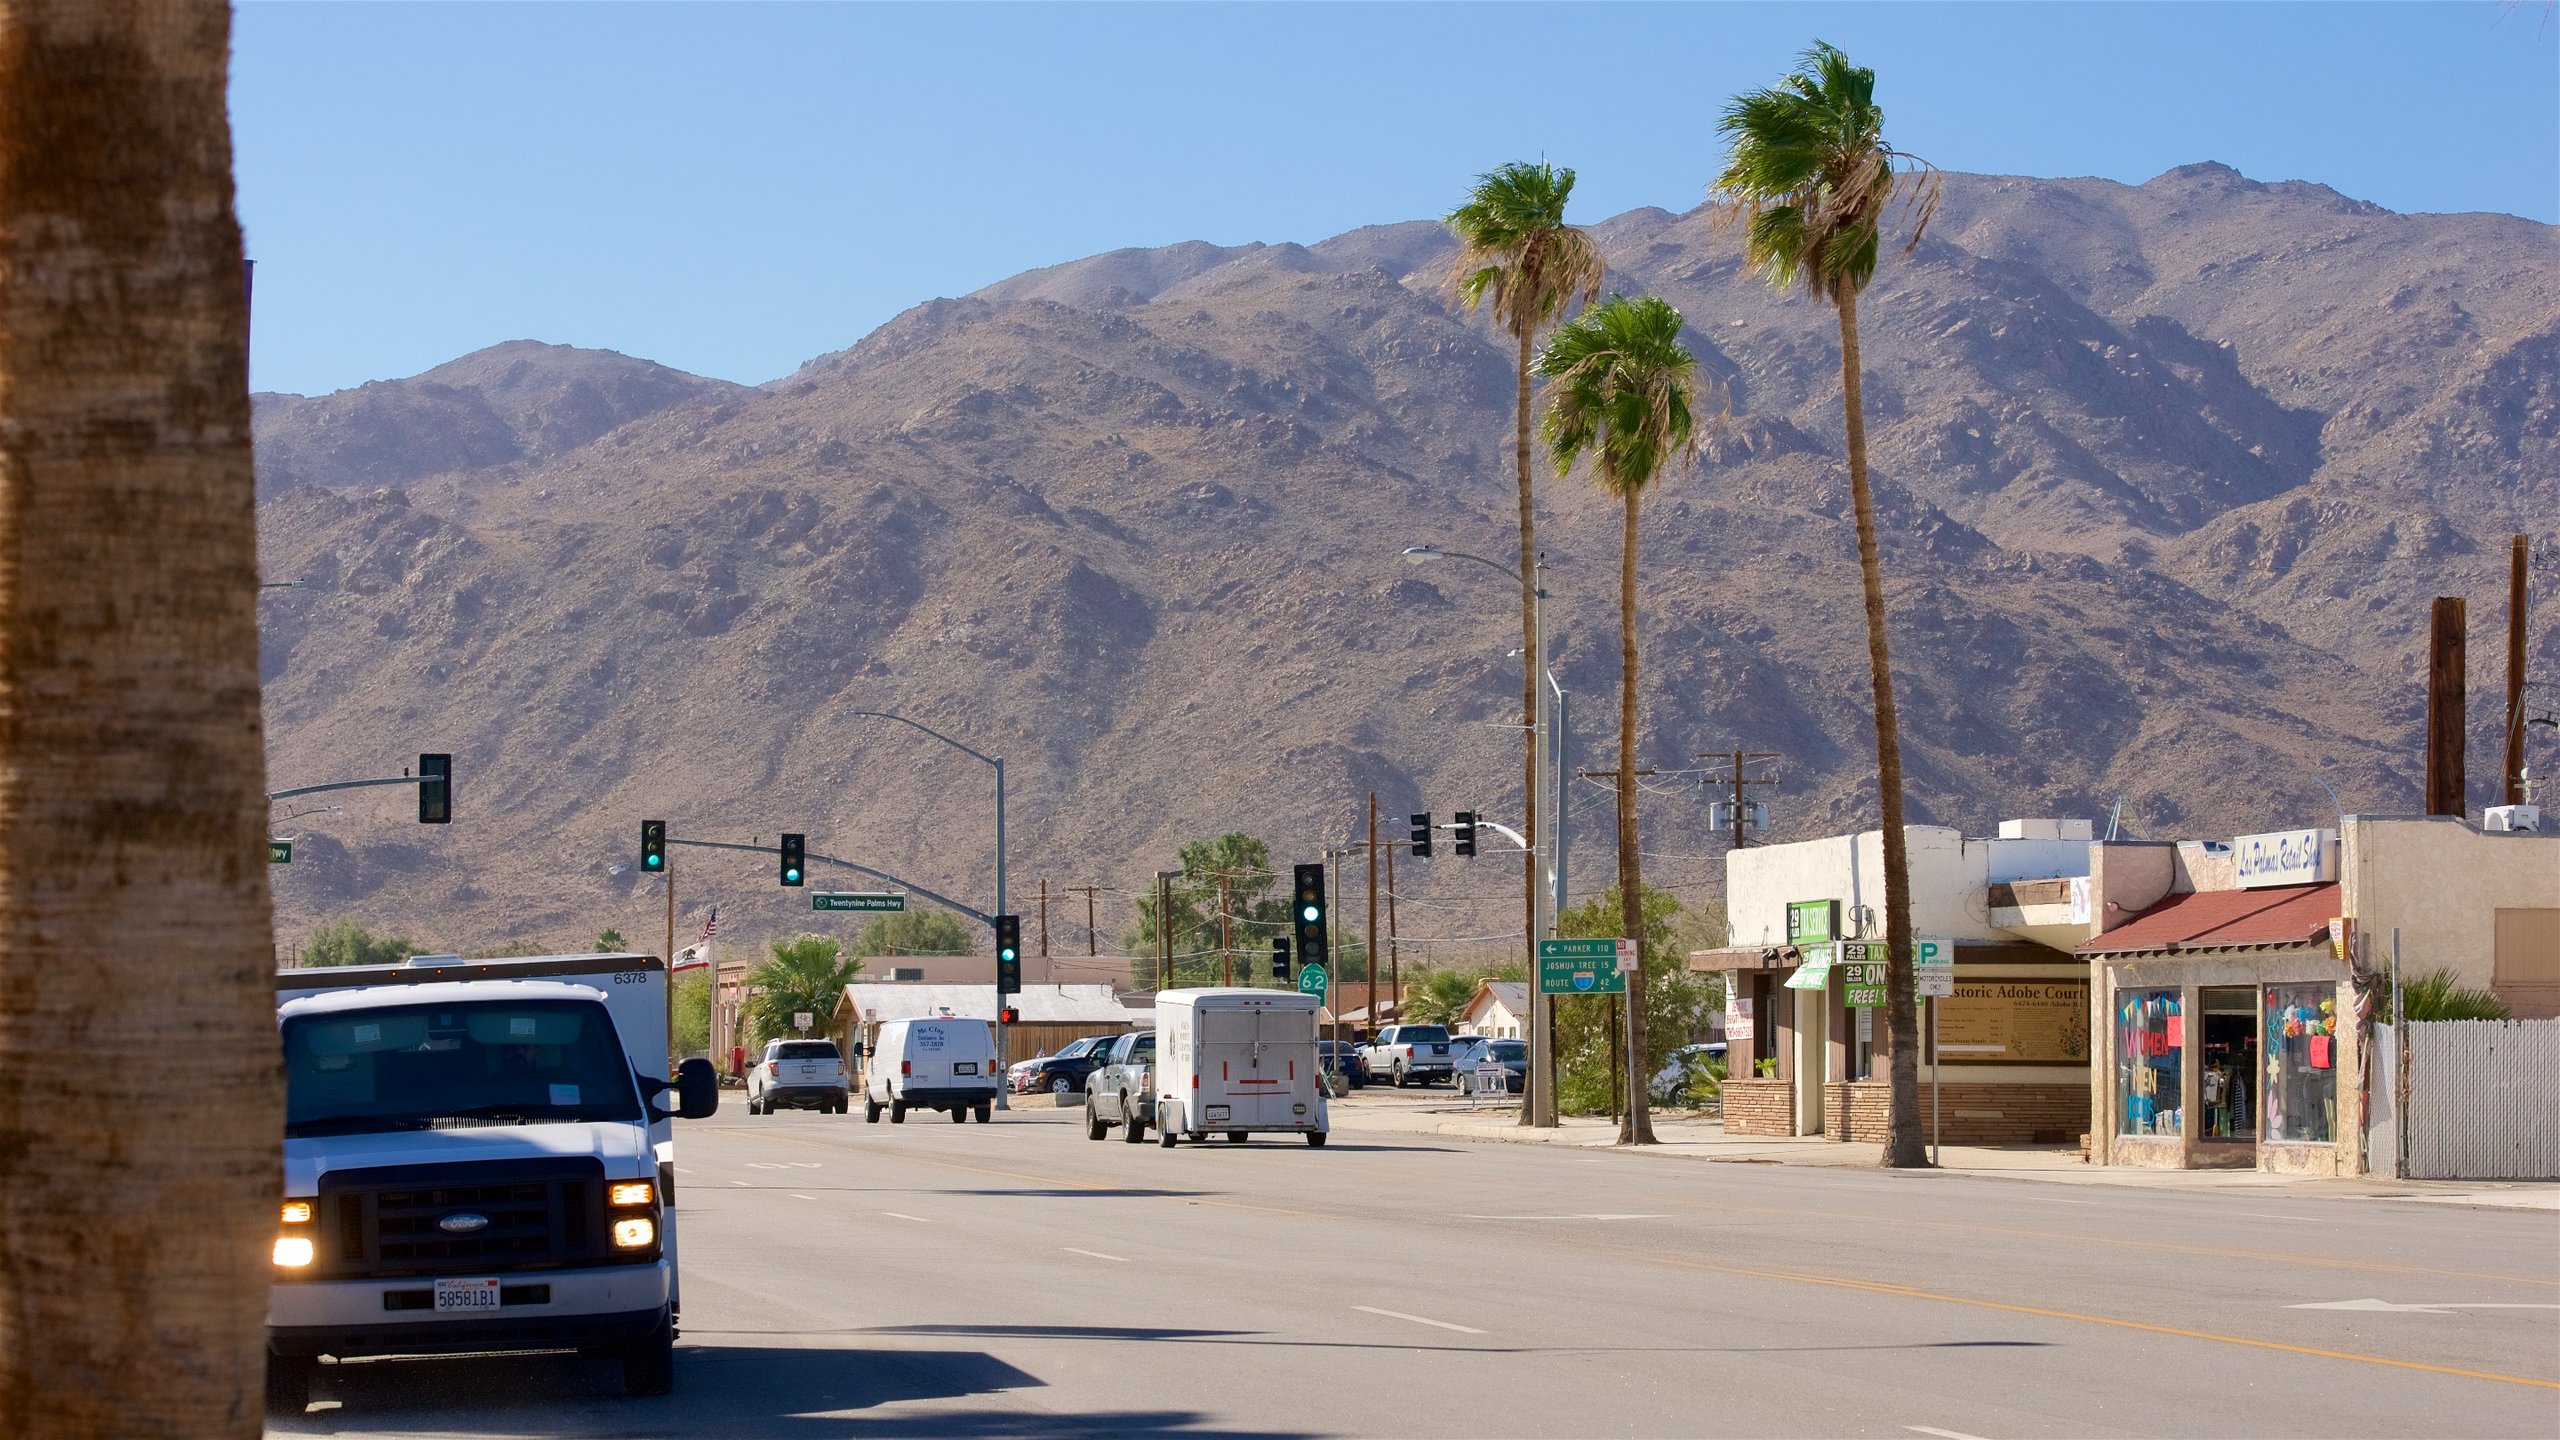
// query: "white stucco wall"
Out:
[2441,882]
[1949,874]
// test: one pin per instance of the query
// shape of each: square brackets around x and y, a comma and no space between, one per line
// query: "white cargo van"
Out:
[477,1157]
[1237,1061]
[945,1062]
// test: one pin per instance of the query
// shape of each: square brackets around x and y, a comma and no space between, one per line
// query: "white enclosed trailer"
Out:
[1237,1062]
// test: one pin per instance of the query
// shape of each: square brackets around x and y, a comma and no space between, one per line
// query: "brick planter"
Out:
[1971,1113]
[1759,1107]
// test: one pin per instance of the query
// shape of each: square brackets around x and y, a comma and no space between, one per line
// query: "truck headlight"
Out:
[636,1233]
[631,1192]
[294,1251]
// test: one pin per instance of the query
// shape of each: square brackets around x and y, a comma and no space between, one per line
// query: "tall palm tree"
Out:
[805,972]
[1515,248]
[1622,386]
[1811,178]
[139,1208]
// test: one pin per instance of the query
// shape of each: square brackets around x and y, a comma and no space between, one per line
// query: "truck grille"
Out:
[541,1214]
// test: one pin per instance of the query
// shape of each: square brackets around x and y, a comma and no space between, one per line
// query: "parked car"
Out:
[1117,1092]
[1685,1075]
[1480,1052]
[1062,1073]
[946,1063]
[1344,1056]
[1410,1053]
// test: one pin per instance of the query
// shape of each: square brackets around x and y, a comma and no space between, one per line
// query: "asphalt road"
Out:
[1014,1279]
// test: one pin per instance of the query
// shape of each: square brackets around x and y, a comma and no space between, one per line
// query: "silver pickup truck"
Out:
[1410,1053]
[1118,1092]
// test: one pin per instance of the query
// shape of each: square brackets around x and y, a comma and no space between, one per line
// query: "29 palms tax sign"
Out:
[1583,967]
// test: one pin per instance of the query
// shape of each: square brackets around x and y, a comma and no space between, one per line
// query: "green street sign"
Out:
[1314,981]
[279,852]
[857,900]
[1579,967]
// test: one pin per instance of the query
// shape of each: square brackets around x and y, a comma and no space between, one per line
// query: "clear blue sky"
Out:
[732,189]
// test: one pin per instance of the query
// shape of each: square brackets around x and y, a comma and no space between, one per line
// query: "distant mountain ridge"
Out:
[2168,474]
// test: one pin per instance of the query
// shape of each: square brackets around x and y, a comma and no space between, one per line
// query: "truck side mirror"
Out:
[697,1090]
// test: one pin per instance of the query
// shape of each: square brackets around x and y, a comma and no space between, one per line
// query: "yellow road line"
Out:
[1880,1288]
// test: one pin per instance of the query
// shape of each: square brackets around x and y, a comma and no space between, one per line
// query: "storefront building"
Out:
[2004,1023]
[2230,1020]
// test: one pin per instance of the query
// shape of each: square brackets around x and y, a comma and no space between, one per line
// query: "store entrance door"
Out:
[2227,1078]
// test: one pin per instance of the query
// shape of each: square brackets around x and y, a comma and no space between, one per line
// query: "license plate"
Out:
[1217,1112]
[965,1067]
[453,1295]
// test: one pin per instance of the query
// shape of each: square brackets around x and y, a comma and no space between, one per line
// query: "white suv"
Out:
[802,1074]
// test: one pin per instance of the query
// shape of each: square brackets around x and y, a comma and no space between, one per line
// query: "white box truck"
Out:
[1237,1062]
[478,1157]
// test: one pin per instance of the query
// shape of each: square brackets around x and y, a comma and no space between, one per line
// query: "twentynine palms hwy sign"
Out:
[857,900]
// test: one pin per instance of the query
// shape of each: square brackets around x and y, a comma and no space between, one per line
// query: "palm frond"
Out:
[1620,388]
[1810,152]
[1515,247]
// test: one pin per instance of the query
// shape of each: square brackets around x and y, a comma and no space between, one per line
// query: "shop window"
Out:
[2151,1045]
[2302,1058]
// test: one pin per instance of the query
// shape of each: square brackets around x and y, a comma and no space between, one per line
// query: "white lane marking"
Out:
[2297,1219]
[1418,1319]
[1562,1215]
[796,1195]
[684,1169]
[741,1184]
[2424,1307]
[902,1215]
[1941,1434]
[1096,1254]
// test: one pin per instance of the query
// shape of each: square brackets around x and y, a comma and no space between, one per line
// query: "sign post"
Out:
[1582,967]
[892,900]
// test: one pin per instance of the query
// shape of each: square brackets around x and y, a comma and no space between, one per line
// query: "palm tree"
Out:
[805,972]
[1622,391]
[1811,177]
[1515,247]
[134,918]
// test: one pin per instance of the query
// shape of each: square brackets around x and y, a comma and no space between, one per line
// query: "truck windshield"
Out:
[435,1067]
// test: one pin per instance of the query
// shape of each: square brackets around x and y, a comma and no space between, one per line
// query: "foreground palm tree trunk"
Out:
[1533,1103]
[139,1108]
[1635,1127]
[1902,1145]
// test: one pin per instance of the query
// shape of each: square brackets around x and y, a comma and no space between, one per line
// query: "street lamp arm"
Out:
[929,730]
[1435,552]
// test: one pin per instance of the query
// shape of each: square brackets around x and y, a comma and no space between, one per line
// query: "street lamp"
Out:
[1548,725]
[1003,899]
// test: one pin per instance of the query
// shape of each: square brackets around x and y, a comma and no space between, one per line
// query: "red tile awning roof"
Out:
[2224,920]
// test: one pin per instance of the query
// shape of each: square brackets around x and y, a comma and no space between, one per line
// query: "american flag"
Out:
[710,927]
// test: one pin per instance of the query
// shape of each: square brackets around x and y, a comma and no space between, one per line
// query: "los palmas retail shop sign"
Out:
[2285,857]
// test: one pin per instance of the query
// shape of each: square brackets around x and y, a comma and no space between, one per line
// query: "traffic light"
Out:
[1308,911]
[1463,842]
[435,790]
[1008,1015]
[1422,836]
[795,859]
[1008,955]
[1279,957]
[653,847]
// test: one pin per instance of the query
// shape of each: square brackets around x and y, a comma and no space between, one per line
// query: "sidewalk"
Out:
[1704,1139]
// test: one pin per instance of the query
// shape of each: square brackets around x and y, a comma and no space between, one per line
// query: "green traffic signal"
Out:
[653,846]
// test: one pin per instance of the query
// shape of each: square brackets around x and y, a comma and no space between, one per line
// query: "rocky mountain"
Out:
[2168,474]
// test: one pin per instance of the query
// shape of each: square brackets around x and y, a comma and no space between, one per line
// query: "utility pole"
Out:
[1226,938]
[1395,977]
[1092,937]
[1372,966]
[1044,917]
[2445,708]
[2513,767]
[671,966]
[1164,929]
[1739,757]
